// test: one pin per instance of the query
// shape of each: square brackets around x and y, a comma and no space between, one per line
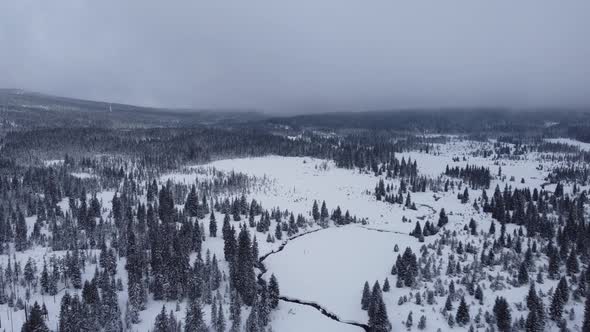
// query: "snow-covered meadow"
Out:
[328,266]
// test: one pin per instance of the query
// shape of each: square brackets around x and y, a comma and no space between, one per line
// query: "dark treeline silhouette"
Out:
[475,176]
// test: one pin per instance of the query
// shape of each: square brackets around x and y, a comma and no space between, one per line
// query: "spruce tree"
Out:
[442,218]
[315,211]
[45,279]
[366,298]
[324,214]
[523,274]
[386,286]
[462,317]
[35,321]
[274,292]
[235,311]
[225,229]
[502,313]
[531,322]
[409,321]
[557,303]
[135,270]
[194,318]
[451,321]
[252,322]
[173,324]
[553,270]
[563,288]
[220,323]
[572,264]
[263,304]
[213,315]
[422,323]
[244,278]
[534,303]
[111,313]
[465,197]
[448,304]
[278,232]
[20,239]
[65,313]
[378,318]
[213,225]
[29,273]
[479,294]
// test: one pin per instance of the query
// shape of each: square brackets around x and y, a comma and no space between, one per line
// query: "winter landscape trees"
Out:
[441,232]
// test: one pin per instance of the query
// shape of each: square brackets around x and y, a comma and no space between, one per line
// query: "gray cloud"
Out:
[304,55]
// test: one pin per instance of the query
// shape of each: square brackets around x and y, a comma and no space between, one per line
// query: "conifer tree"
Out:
[534,303]
[465,197]
[324,215]
[45,279]
[244,277]
[553,270]
[35,321]
[213,225]
[20,239]
[65,313]
[451,321]
[572,264]
[442,218]
[409,321]
[422,323]
[229,244]
[220,323]
[563,288]
[386,286]
[531,322]
[273,292]
[448,304]
[502,313]
[462,317]
[523,274]
[278,232]
[111,313]
[252,322]
[225,229]
[315,211]
[235,311]
[263,304]
[194,318]
[29,273]
[135,269]
[213,315]
[557,303]
[378,318]
[366,298]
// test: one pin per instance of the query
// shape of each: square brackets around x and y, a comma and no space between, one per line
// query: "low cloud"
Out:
[301,56]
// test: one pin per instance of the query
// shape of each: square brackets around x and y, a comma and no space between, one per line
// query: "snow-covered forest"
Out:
[267,226]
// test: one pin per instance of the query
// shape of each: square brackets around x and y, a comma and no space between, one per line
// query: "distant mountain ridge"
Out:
[23,109]
[459,120]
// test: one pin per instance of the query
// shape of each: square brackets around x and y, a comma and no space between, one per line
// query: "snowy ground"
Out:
[296,182]
[296,318]
[330,266]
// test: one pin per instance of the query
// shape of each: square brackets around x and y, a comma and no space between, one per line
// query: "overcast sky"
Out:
[301,55]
